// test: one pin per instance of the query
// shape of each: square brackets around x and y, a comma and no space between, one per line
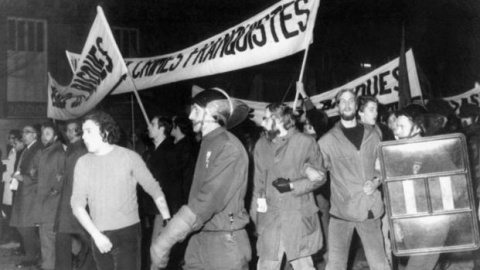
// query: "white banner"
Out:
[469,97]
[100,71]
[281,30]
[381,83]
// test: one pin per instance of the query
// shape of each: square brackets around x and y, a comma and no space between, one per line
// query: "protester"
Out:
[348,152]
[160,163]
[216,203]
[315,119]
[25,206]
[8,235]
[368,114]
[67,226]
[185,153]
[105,179]
[283,205]
[17,244]
[316,124]
[49,167]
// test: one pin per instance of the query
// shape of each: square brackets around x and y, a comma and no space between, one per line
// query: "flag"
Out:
[99,71]
[404,96]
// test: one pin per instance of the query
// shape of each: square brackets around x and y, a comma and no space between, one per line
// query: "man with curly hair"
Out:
[106,180]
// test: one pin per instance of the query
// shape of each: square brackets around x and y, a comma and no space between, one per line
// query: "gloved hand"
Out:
[282,185]
[184,222]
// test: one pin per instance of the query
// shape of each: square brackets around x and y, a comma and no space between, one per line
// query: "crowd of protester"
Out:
[289,193]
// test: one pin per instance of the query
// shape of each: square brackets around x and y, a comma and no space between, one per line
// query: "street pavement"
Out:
[8,261]
[456,261]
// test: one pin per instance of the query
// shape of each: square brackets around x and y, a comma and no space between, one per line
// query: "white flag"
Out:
[100,70]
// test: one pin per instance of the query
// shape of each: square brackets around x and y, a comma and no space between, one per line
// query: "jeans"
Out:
[64,258]
[340,237]
[125,252]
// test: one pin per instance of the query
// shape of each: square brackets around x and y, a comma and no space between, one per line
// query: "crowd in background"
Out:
[39,224]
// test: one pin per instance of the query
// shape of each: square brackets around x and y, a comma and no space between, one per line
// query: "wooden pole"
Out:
[133,121]
[300,78]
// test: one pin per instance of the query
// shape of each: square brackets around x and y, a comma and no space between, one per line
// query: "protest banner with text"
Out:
[100,71]
[279,31]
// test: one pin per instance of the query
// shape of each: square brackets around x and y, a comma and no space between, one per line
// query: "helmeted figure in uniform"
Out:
[215,209]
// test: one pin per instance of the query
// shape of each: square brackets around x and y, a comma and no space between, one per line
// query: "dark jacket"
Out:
[185,155]
[65,221]
[161,164]
[220,183]
[50,166]
[24,205]
[291,217]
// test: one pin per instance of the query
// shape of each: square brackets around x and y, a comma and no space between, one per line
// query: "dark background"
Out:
[444,36]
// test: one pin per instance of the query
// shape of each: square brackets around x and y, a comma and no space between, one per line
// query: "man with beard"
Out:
[283,204]
[348,152]
[215,206]
[24,205]
[66,225]
[106,179]
[49,166]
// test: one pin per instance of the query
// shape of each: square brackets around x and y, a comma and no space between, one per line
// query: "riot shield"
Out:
[429,195]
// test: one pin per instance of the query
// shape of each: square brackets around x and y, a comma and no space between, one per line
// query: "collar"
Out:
[28,146]
[214,133]
[287,137]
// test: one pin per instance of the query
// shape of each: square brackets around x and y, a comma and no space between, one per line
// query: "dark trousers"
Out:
[8,233]
[64,258]
[125,252]
[31,242]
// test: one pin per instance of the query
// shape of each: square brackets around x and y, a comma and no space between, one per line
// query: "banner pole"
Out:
[300,78]
[133,121]
[135,91]
[122,61]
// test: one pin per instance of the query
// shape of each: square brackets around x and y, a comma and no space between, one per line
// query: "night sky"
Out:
[444,36]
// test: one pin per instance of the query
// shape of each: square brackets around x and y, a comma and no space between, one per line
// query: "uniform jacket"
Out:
[24,205]
[50,167]
[220,183]
[65,221]
[349,170]
[291,216]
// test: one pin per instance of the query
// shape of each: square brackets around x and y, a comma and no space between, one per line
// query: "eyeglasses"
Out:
[28,131]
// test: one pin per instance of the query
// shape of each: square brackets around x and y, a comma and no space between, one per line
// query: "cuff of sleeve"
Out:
[163,207]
